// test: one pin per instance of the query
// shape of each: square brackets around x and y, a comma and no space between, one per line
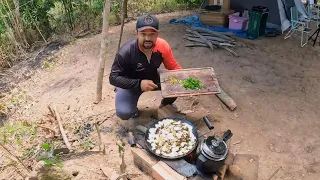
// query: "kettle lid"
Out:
[214,149]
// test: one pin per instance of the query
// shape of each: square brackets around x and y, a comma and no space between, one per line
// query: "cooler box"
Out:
[238,23]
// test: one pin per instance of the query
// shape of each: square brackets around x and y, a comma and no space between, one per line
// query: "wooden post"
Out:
[103,50]
[227,100]
[124,14]
[125,8]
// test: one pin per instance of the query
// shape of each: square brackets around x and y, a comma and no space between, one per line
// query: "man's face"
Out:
[147,38]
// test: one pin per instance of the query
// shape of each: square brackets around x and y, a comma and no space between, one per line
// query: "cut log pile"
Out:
[202,37]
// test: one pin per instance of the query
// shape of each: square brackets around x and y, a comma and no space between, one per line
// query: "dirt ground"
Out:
[274,82]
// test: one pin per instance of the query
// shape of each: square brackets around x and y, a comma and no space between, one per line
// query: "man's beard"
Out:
[149,46]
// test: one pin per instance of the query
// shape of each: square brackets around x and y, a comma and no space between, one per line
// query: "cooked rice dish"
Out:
[171,138]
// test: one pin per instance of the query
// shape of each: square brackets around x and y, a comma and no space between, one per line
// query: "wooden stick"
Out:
[15,157]
[229,34]
[124,175]
[51,111]
[99,135]
[214,33]
[63,133]
[232,52]
[196,45]
[227,45]
[214,43]
[275,173]
[227,100]
[211,38]
[219,39]
[202,38]
[53,131]
[18,171]
[198,40]
[104,150]
[222,172]
[124,5]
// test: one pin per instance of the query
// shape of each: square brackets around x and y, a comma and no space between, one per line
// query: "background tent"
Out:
[274,15]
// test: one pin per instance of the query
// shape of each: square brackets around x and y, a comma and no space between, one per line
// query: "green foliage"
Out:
[2,28]
[48,65]
[30,152]
[191,3]
[86,145]
[35,15]
[46,17]
[46,146]
[14,100]
[17,133]
[48,157]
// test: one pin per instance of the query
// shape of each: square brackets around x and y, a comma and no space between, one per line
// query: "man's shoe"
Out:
[136,114]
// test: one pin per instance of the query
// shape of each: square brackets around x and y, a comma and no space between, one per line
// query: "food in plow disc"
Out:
[171,138]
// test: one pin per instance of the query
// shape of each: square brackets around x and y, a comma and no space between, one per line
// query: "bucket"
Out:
[238,23]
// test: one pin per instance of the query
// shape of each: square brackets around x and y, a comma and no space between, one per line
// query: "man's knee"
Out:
[124,115]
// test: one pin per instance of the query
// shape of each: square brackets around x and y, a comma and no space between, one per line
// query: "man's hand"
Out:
[148,85]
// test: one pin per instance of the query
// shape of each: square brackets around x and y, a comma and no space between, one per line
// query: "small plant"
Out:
[48,157]
[48,65]
[13,101]
[17,132]
[87,144]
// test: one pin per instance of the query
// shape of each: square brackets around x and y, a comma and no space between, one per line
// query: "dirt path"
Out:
[274,82]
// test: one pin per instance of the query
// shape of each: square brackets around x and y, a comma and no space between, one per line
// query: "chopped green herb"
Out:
[173,80]
[190,83]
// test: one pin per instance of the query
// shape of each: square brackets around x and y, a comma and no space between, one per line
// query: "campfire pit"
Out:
[199,162]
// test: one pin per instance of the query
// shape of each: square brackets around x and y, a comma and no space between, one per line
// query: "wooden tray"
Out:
[206,75]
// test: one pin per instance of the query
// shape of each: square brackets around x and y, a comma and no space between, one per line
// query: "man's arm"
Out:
[169,61]
[117,76]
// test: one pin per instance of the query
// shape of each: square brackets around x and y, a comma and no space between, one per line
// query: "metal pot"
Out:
[212,152]
[194,131]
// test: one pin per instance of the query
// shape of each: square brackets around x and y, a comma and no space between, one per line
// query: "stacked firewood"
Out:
[202,37]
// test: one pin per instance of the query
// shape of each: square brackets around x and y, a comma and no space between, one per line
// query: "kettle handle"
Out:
[227,135]
[208,123]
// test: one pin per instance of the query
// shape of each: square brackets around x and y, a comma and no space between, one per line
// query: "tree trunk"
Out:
[11,35]
[124,13]
[68,10]
[20,27]
[103,50]
[125,8]
[14,23]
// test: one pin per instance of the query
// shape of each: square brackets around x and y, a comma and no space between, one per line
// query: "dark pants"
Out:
[127,100]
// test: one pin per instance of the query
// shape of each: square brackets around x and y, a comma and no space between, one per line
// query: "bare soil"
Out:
[274,82]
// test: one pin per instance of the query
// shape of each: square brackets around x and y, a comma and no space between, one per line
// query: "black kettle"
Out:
[212,152]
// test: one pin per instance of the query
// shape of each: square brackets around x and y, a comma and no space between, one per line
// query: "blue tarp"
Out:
[194,21]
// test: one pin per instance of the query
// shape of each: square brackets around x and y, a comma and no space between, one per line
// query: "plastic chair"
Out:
[313,11]
[298,24]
